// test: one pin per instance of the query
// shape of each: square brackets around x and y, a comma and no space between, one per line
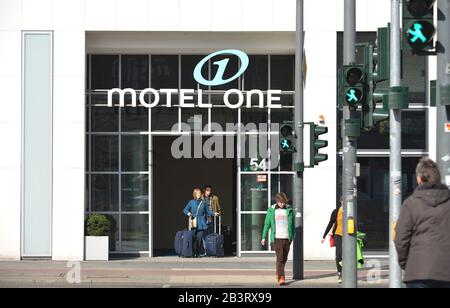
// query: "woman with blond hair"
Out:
[197,210]
[280,221]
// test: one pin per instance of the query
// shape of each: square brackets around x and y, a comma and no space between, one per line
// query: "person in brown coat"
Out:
[422,236]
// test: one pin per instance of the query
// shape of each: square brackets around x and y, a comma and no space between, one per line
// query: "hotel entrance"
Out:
[173,183]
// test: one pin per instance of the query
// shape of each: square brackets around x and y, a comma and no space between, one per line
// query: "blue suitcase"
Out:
[183,243]
[214,242]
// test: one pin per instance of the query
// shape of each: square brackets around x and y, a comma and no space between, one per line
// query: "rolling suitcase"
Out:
[183,243]
[214,241]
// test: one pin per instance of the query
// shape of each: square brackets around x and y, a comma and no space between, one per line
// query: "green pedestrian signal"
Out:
[286,144]
[420,34]
[418,25]
[286,137]
[353,96]
[353,85]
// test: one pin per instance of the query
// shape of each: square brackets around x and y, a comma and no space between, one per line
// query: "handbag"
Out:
[332,243]
[193,220]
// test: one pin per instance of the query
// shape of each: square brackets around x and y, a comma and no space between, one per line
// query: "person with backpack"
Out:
[280,221]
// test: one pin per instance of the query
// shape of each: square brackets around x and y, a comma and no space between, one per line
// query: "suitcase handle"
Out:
[220,224]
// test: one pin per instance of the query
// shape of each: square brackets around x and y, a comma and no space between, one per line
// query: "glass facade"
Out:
[119,177]
[117,158]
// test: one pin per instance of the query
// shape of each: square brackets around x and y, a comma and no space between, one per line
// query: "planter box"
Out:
[96,248]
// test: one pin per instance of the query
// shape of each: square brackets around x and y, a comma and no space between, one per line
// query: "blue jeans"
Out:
[426,284]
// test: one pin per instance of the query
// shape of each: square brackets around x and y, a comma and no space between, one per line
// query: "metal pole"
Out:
[298,155]
[349,189]
[443,79]
[395,164]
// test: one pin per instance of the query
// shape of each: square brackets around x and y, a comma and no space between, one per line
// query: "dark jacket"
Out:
[423,234]
[331,224]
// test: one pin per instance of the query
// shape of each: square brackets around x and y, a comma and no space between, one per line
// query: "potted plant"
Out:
[98,228]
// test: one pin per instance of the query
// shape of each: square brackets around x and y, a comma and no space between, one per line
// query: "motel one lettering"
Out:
[259,151]
[186,95]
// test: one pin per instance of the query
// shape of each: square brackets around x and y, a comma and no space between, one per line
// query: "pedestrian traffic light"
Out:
[377,63]
[286,137]
[353,85]
[418,25]
[316,144]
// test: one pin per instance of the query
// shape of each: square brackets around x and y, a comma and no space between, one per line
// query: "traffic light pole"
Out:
[395,164]
[349,189]
[298,273]
[443,79]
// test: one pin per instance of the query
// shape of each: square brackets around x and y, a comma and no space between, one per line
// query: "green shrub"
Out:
[98,225]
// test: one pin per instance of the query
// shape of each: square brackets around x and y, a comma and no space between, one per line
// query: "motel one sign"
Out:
[186,95]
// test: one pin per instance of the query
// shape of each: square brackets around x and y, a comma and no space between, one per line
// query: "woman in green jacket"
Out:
[280,221]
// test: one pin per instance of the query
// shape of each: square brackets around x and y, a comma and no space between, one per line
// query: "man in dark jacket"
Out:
[423,231]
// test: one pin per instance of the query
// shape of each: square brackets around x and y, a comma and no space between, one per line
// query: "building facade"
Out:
[66,155]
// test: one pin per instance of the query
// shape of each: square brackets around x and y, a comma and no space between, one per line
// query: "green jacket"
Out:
[270,223]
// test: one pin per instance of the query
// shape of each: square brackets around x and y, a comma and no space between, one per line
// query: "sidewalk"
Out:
[173,272]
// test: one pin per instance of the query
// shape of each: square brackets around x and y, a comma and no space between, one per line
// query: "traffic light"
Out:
[354,87]
[373,115]
[286,137]
[317,144]
[381,55]
[377,65]
[418,25]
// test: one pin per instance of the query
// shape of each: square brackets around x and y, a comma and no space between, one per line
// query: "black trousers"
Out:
[197,244]
[338,243]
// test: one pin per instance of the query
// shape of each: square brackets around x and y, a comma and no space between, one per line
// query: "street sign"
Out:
[261,178]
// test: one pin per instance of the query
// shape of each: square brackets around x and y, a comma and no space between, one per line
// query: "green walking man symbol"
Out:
[417,33]
[285,144]
[351,96]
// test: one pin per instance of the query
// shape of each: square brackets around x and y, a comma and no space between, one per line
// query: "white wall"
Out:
[69,147]
[320,99]
[10,128]
[71,19]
